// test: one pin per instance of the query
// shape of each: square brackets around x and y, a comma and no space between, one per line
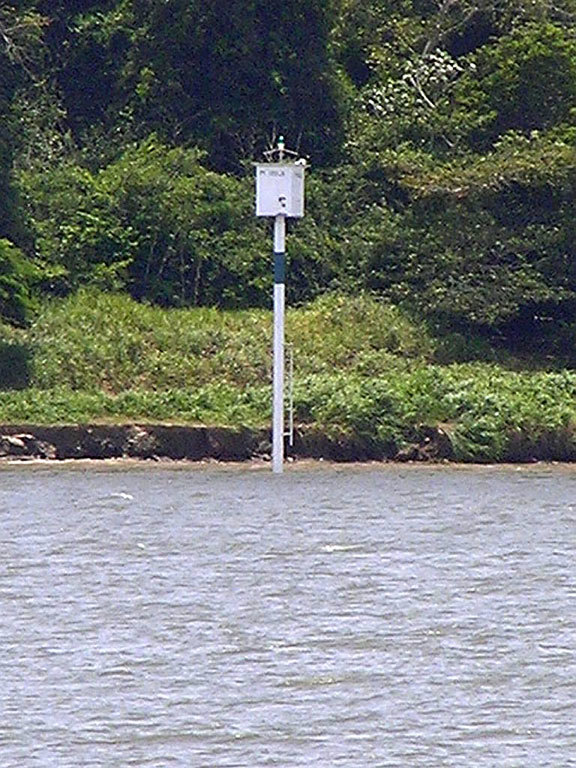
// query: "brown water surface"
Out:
[395,616]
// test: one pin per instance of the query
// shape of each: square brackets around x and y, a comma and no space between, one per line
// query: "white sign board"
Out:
[280,189]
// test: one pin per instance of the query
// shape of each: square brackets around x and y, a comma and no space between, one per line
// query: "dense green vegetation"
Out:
[363,370]
[442,140]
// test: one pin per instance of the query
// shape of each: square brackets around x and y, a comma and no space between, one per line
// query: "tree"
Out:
[223,75]
[19,33]
[524,82]
[481,242]
[155,222]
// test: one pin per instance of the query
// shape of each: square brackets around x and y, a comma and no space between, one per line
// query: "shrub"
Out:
[16,275]
[155,222]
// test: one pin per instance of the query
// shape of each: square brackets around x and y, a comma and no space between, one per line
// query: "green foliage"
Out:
[155,221]
[429,88]
[484,243]
[501,235]
[454,199]
[354,332]
[224,75]
[7,83]
[415,108]
[483,408]
[480,241]
[362,370]
[213,405]
[101,341]
[110,342]
[20,36]
[14,365]
[15,355]
[79,236]
[526,162]
[195,237]
[525,81]
[16,276]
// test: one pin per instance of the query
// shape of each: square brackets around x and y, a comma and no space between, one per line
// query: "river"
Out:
[201,616]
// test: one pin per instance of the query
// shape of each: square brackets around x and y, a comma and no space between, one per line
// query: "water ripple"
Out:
[394,617]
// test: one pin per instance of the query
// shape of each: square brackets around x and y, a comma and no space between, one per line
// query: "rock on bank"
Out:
[200,443]
[133,441]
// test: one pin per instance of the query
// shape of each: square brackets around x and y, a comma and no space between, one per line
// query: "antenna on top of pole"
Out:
[279,151]
[279,194]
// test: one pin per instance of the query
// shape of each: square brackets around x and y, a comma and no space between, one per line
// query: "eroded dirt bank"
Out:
[200,443]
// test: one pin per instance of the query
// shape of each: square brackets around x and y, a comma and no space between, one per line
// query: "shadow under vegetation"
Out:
[15,364]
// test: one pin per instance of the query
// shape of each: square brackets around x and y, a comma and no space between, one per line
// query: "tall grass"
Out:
[108,342]
[482,407]
[218,405]
[362,368]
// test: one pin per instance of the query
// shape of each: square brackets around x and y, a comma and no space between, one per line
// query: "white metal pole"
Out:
[278,396]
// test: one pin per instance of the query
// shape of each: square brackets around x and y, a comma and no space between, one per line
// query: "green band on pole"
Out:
[280,267]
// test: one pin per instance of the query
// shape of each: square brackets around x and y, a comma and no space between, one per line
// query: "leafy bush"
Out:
[211,405]
[482,407]
[94,340]
[195,239]
[524,81]
[16,276]
[155,222]
[362,370]
[78,232]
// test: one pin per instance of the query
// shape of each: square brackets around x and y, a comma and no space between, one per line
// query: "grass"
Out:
[107,342]
[217,406]
[362,368]
[483,408]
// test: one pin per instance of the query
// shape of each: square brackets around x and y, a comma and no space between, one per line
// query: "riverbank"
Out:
[101,376]
[197,443]
[157,442]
